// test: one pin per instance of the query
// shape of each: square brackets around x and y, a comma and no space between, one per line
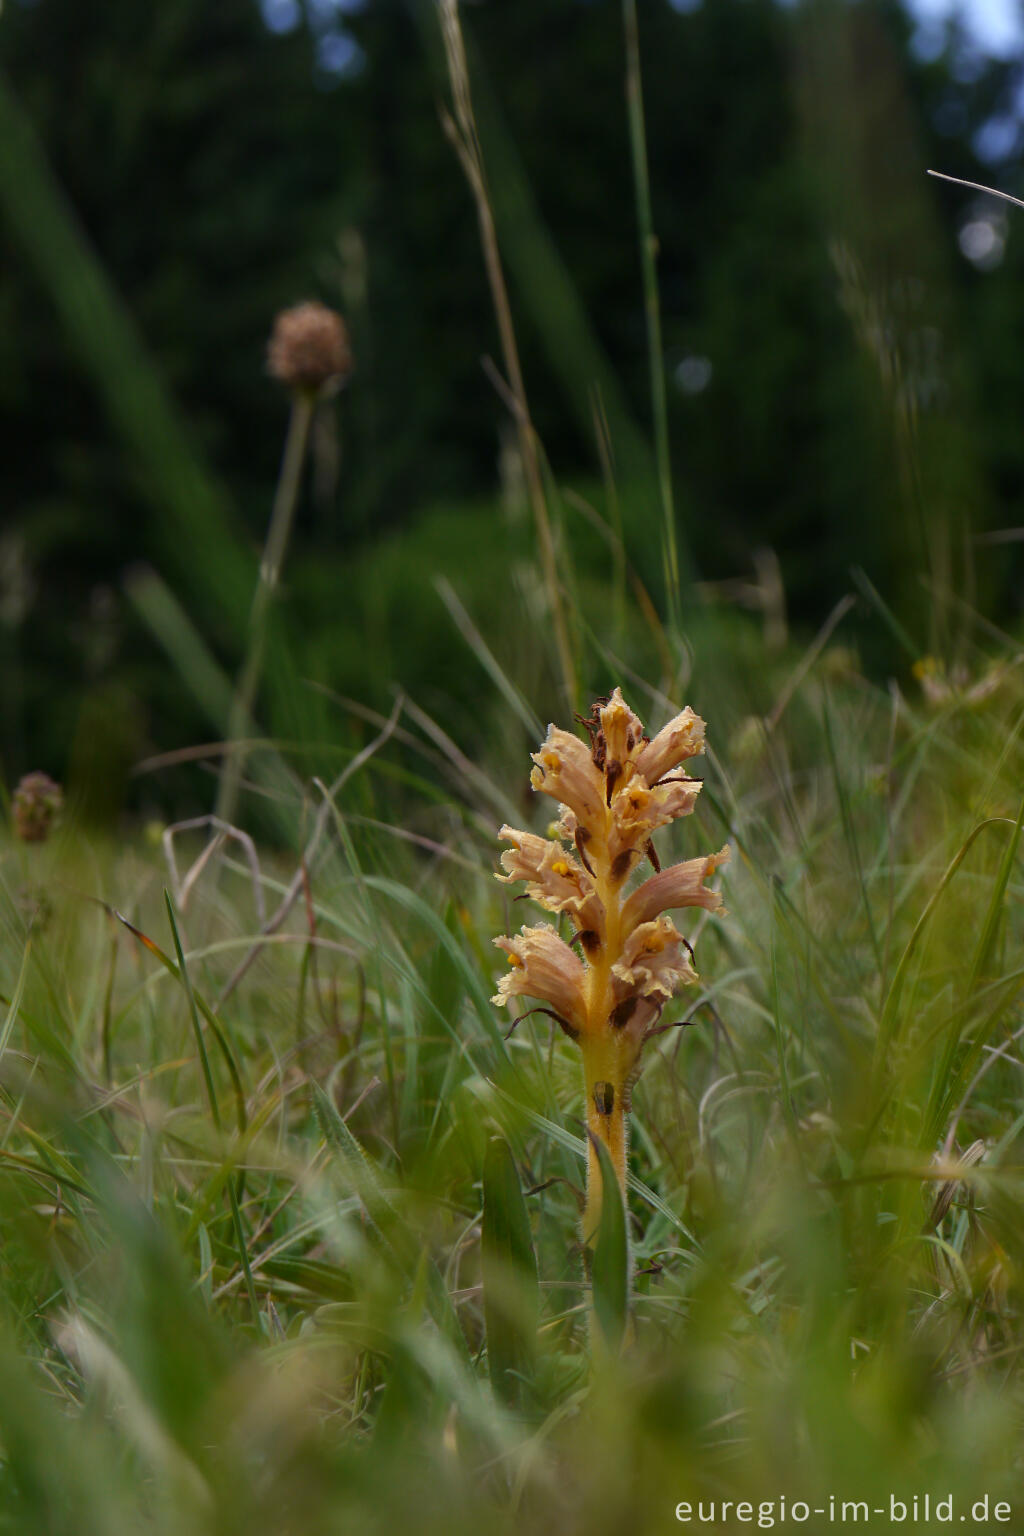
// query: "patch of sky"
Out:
[338,55]
[285,15]
[928,41]
[282,16]
[327,11]
[983,236]
[693,374]
[997,140]
[995,26]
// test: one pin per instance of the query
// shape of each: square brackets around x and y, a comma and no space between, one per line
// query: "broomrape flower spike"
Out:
[615,792]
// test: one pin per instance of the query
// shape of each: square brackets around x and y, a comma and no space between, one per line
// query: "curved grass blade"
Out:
[204,1009]
[577,1146]
[511,1291]
[887,1028]
[236,1215]
[610,1265]
[398,1242]
[19,992]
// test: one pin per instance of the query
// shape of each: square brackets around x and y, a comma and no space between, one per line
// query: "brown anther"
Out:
[649,851]
[620,1016]
[604,1098]
[612,775]
[583,836]
[621,863]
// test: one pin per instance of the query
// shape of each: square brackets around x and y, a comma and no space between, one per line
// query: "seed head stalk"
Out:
[652,303]
[615,791]
[460,126]
[309,354]
[278,534]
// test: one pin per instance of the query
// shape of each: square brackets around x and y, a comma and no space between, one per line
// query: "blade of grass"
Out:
[849,833]
[19,992]
[994,913]
[577,1146]
[399,1241]
[205,1010]
[195,506]
[462,132]
[511,1293]
[282,517]
[780,1047]
[610,1263]
[652,305]
[862,580]
[236,1215]
[948,1084]
[473,638]
[887,1023]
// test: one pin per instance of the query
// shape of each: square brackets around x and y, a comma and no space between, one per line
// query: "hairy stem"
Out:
[607,1064]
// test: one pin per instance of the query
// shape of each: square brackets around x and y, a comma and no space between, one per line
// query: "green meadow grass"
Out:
[246,1272]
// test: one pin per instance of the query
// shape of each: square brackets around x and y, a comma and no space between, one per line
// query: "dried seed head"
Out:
[309,348]
[35,806]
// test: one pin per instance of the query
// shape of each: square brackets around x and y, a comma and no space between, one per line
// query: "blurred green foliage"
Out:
[826,1292]
[841,380]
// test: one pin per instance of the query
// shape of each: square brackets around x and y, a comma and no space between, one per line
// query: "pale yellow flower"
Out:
[680,885]
[543,966]
[553,877]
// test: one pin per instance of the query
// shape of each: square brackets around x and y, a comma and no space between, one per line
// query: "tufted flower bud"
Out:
[614,792]
[35,806]
[309,348]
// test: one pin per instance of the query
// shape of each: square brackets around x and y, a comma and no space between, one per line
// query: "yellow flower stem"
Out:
[606,1069]
[608,1056]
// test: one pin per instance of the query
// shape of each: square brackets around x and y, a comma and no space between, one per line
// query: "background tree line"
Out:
[843,380]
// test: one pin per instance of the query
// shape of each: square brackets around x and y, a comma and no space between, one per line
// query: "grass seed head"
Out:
[35,806]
